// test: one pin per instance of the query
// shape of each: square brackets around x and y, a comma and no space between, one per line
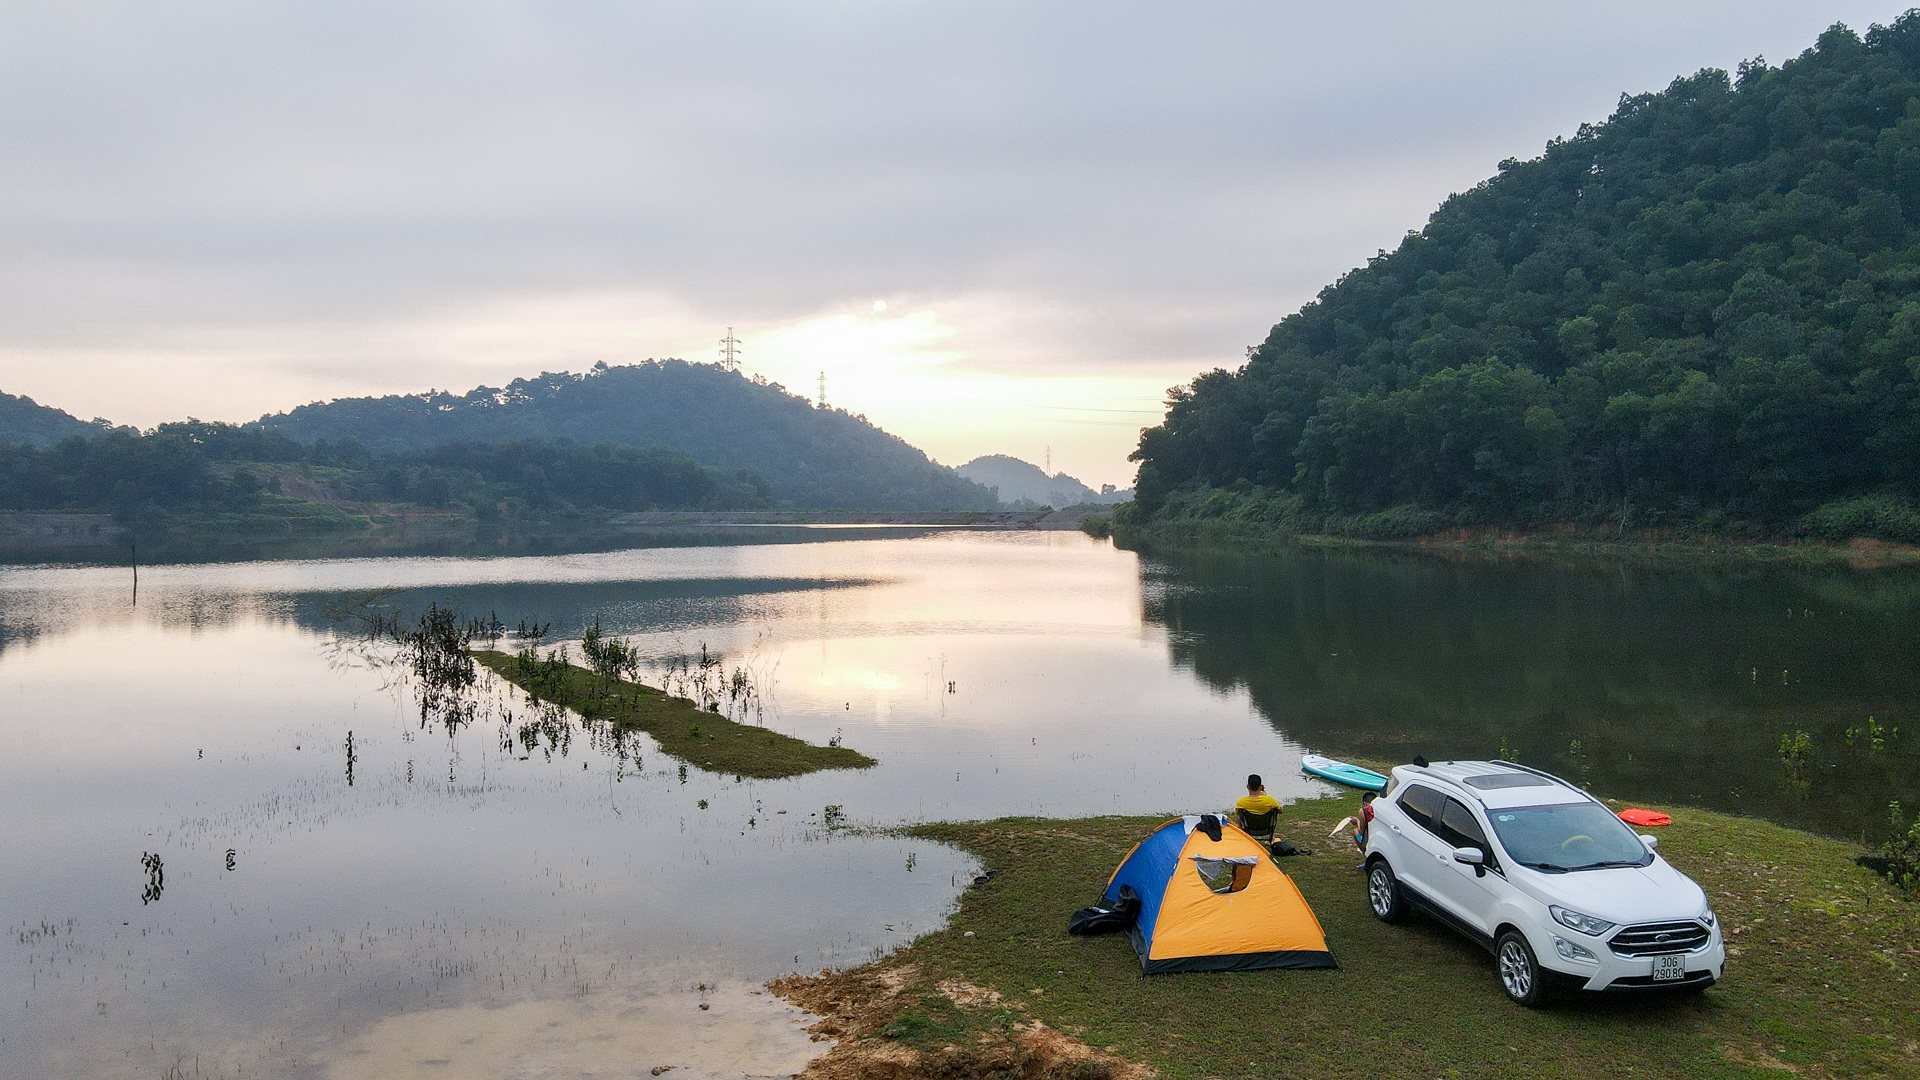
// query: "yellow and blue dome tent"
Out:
[1211,899]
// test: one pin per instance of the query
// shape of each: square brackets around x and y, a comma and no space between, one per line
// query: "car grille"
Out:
[1646,939]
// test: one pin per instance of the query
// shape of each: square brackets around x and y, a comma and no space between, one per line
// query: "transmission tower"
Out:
[823,389]
[730,351]
[1049,462]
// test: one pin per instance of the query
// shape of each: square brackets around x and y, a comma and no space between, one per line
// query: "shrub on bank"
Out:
[1880,517]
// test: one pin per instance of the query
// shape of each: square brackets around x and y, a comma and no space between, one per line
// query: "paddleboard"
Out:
[1340,772]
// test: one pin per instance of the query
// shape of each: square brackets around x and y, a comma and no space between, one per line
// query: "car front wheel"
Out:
[1520,974]
[1383,893]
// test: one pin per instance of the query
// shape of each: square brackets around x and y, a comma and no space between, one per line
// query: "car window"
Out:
[1567,837]
[1459,828]
[1422,804]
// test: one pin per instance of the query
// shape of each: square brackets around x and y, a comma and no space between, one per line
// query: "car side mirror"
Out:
[1471,856]
[1650,841]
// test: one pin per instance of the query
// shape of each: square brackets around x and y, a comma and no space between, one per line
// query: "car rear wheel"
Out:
[1520,974]
[1383,893]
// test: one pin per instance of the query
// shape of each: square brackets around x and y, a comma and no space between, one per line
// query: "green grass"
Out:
[1820,977]
[700,738]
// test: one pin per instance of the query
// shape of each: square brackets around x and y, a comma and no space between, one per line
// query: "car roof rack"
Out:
[1541,773]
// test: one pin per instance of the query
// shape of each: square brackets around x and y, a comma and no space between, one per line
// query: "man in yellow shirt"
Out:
[1257,800]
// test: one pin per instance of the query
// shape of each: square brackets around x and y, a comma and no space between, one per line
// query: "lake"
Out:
[233,844]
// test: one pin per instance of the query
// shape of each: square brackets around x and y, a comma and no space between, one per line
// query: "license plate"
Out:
[1669,968]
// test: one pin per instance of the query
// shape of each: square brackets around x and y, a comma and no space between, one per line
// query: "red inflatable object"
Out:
[1645,817]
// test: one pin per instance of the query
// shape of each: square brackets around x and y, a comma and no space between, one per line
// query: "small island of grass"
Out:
[699,737]
[1820,977]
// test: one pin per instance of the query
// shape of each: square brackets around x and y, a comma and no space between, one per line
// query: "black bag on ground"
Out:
[1102,919]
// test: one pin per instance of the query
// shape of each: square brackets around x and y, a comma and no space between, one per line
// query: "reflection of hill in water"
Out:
[1668,677]
[621,606]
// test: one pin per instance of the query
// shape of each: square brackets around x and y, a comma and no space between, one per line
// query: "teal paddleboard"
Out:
[1340,772]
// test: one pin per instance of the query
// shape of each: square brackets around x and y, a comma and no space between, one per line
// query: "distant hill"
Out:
[809,457]
[196,467]
[1021,481]
[1701,312]
[24,420]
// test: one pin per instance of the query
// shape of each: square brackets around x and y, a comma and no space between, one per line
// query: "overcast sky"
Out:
[997,227]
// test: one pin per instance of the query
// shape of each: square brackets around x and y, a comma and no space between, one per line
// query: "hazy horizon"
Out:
[998,229]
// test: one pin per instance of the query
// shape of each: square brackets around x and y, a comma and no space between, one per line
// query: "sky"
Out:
[994,227]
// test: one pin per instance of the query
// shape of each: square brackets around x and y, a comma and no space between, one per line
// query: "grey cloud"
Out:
[1181,175]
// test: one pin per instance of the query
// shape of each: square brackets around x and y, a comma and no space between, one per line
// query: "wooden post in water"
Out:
[135,549]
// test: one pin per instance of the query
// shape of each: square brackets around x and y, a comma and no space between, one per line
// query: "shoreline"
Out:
[1820,981]
[316,531]
[1493,544]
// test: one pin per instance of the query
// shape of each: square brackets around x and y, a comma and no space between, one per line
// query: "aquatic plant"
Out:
[1796,753]
[735,692]
[1872,734]
[611,658]
[156,877]
[1583,764]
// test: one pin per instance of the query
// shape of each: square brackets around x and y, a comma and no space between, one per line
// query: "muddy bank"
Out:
[893,1022]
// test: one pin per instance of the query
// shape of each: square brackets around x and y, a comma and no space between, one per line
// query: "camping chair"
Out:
[1258,826]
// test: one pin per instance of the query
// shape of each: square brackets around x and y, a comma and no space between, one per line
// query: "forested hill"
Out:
[1706,308]
[810,457]
[26,421]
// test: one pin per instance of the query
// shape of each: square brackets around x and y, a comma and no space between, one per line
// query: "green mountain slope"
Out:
[24,420]
[816,458]
[1704,310]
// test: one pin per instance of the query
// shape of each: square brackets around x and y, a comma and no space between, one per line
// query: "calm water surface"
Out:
[343,890]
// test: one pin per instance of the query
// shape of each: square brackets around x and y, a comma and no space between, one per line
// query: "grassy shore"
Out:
[694,735]
[1820,977]
[1644,544]
[1862,533]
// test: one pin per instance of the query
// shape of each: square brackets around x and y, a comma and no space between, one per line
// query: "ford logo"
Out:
[1663,937]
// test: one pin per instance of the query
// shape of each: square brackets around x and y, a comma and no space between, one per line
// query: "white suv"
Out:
[1541,874]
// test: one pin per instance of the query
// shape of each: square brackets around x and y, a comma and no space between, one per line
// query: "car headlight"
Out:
[1709,918]
[1573,920]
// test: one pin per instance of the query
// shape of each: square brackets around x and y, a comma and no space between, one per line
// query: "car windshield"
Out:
[1575,836]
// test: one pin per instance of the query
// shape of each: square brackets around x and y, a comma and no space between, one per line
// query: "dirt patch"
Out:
[850,1002]
[871,1014]
[1067,1058]
[966,995]
[1755,1057]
